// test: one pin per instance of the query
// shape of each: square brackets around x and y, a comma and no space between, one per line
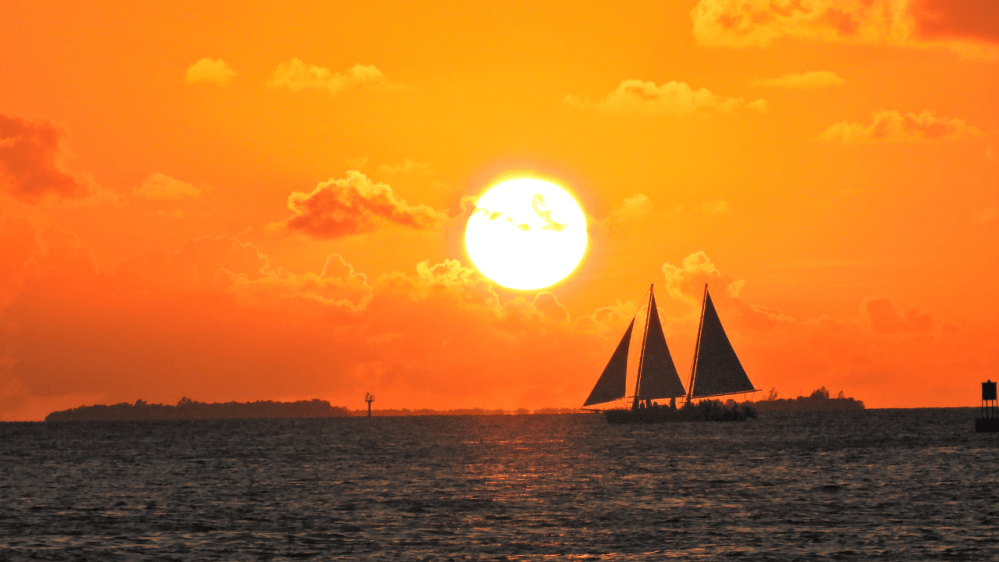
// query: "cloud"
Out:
[685,286]
[803,80]
[886,317]
[32,154]
[631,208]
[22,245]
[201,259]
[160,186]
[958,20]
[542,219]
[622,216]
[355,205]
[337,285]
[967,27]
[673,98]
[608,322]
[296,76]
[893,126]
[209,71]
[468,282]
[686,282]
[357,163]
[31,249]
[715,207]
[547,305]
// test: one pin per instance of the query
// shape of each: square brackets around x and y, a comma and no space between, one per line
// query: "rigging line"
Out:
[697,347]
[641,356]
[730,393]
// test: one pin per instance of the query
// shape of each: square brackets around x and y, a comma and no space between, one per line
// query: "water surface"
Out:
[877,484]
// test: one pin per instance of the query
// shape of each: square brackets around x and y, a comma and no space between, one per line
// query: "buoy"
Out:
[369,398]
[989,422]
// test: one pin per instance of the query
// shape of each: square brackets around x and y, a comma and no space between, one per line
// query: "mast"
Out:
[697,347]
[641,357]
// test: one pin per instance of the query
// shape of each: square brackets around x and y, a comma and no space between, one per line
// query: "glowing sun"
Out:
[526,234]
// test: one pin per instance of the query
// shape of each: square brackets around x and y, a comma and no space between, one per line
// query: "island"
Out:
[817,401]
[188,409]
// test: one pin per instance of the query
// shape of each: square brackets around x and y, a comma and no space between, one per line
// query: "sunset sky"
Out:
[253,201]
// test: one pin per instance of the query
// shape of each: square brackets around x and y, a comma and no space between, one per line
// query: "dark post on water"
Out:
[989,422]
[989,405]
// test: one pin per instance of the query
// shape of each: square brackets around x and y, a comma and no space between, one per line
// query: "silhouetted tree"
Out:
[820,393]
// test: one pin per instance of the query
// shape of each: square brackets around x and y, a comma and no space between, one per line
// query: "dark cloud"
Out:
[886,317]
[957,19]
[31,161]
[967,27]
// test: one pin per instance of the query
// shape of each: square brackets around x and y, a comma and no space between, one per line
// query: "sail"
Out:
[659,378]
[611,384]
[717,369]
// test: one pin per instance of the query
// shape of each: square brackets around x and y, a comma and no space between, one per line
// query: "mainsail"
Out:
[657,377]
[611,384]
[717,369]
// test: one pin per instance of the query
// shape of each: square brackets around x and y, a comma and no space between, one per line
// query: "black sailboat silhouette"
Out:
[657,375]
[716,371]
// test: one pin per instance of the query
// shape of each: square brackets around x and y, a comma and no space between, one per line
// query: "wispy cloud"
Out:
[887,317]
[296,76]
[209,71]
[673,98]
[161,186]
[893,126]
[716,207]
[803,80]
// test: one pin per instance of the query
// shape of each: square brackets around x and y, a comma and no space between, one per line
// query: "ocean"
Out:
[875,484]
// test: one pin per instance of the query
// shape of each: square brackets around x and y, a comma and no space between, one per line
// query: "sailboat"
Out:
[716,371]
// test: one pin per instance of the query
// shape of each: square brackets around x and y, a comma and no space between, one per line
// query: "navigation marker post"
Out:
[989,422]
[369,398]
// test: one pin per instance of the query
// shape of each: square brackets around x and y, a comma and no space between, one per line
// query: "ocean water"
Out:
[878,484]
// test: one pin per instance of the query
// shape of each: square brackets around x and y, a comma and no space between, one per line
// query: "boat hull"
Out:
[708,410]
[987,425]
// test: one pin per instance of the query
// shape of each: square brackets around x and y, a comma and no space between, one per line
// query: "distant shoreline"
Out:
[807,404]
[191,410]
[817,401]
[186,409]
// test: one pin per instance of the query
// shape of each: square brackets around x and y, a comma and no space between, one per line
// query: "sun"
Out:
[526,234]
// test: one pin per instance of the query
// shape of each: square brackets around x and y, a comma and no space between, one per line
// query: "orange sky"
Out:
[831,168]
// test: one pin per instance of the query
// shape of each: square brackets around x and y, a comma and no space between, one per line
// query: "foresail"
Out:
[718,369]
[659,377]
[611,384]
